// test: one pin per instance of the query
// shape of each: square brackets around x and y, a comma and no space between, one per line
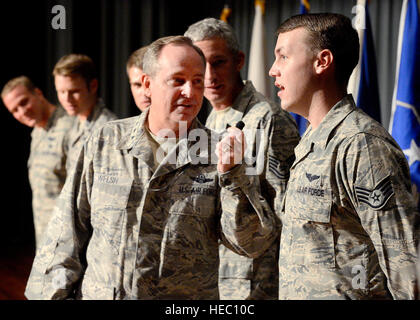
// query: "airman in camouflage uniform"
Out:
[350,224]
[76,84]
[271,136]
[82,129]
[48,152]
[134,70]
[124,230]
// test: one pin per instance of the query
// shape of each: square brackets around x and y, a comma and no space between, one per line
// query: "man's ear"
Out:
[146,84]
[323,61]
[38,92]
[93,85]
[240,61]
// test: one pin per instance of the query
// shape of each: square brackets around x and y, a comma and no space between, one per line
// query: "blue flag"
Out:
[368,93]
[404,125]
[301,122]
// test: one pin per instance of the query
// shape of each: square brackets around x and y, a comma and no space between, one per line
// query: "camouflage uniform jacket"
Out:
[47,167]
[121,231]
[272,134]
[349,220]
[81,130]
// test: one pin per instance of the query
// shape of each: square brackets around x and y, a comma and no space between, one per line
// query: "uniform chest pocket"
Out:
[196,200]
[194,193]
[313,237]
[309,208]
[109,210]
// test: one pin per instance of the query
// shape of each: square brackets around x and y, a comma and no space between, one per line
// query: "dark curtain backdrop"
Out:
[108,31]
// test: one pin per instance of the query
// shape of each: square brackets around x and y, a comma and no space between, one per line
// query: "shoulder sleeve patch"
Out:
[378,197]
[276,168]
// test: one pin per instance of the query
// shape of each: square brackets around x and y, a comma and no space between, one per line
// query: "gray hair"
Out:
[211,28]
[150,59]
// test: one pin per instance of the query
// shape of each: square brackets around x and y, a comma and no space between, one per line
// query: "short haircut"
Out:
[18,81]
[211,28]
[151,57]
[329,31]
[136,59]
[76,65]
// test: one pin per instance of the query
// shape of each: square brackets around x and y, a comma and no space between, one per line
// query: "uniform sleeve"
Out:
[279,156]
[281,137]
[60,261]
[248,224]
[377,179]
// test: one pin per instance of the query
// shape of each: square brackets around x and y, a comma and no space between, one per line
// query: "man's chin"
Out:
[213,97]
[30,124]
[184,117]
[71,111]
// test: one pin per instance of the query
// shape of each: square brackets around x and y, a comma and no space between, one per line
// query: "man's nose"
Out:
[273,72]
[187,89]
[68,97]
[21,111]
[210,74]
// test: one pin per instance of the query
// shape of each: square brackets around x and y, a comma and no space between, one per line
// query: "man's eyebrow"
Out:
[217,56]
[278,50]
[182,74]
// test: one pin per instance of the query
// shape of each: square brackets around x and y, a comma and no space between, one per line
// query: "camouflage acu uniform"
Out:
[47,167]
[122,231]
[349,221]
[81,130]
[241,277]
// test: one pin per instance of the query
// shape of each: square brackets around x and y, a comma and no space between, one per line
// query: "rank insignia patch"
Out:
[274,167]
[378,197]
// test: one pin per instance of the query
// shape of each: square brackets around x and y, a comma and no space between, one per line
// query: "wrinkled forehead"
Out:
[70,81]
[17,93]
[180,58]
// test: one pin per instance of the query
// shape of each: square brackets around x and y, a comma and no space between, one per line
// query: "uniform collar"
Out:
[321,136]
[137,132]
[136,139]
[244,97]
[334,117]
[51,119]
[96,111]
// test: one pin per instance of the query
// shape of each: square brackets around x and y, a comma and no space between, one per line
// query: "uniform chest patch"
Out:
[311,177]
[200,179]
[378,197]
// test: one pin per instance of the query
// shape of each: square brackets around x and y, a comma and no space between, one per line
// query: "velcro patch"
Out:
[378,197]
[274,167]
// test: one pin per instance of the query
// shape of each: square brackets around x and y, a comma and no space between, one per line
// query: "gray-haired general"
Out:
[47,160]
[129,225]
[350,222]
[271,137]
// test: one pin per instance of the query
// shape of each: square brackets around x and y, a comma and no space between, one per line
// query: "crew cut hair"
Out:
[333,32]
[136,59]
[18,81]
[76,65]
